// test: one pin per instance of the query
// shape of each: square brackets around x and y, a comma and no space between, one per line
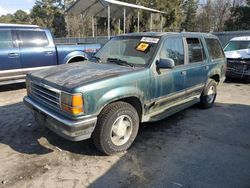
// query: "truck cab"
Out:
[25,48]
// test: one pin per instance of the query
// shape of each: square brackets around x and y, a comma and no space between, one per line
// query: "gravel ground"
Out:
[193,148]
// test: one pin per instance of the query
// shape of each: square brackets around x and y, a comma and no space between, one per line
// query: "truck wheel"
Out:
[116,128]
[208,95]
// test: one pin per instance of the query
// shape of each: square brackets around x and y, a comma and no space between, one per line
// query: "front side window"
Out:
[237,45]
[33,38]
[173,48]
[6,39]
[134,50]
[195,50]
[214,49]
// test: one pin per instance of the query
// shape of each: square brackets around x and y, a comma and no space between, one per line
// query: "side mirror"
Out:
[165,64]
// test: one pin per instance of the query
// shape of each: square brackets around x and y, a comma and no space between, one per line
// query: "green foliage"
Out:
[180,15]
[240,18]
[190,10]
[9,18]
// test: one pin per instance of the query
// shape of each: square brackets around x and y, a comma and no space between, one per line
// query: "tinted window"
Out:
[173,49]
[33,38]
[5,39]
[195,50]
[214,49]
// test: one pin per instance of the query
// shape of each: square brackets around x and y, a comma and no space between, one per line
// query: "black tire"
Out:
[207,101]
[102,135]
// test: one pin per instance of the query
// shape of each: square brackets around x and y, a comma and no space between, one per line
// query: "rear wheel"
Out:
[116,128]
[209,94]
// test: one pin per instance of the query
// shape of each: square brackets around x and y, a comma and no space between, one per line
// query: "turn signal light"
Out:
[72,103]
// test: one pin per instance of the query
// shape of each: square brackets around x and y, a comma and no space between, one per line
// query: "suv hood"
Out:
[243,54]
[77,74]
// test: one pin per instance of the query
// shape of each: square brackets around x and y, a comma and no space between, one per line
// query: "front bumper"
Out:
[74,130]
[238,68]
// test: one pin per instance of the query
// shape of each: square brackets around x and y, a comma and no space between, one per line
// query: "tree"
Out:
[221,13]
[239,19]
[21,17]
[9,18]
[48,13]
[190,9]
[205,18]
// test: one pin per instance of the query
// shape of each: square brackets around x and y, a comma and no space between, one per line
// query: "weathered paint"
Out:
[103,83]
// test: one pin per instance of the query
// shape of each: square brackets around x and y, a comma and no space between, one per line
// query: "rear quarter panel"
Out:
[66,52]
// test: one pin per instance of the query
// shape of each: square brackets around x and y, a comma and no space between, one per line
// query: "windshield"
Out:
[134,50]
[237,45]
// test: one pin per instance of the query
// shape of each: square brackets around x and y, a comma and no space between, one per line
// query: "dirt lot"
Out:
[194,148]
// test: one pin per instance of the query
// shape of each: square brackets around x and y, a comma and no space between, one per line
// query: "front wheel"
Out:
[116,128]
[208,95]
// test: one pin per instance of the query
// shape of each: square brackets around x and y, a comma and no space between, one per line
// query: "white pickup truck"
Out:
[237,52]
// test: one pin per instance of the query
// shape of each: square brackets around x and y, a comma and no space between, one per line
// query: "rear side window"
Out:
[33,38]
[195,50]
[173,48]
[6,39]
[214,49]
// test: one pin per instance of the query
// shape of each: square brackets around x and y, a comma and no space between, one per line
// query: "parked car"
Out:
[24,48]
[237,52]
[134,78]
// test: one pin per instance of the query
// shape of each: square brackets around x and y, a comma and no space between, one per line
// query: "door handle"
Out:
[49,53]
[183,73]
[13,55]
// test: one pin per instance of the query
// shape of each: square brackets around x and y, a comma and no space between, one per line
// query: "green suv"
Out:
[134,78]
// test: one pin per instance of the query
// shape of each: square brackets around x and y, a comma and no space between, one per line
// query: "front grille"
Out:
[238,65]
[45,94]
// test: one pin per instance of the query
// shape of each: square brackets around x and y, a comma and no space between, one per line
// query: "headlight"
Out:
[72,103]
[28,86]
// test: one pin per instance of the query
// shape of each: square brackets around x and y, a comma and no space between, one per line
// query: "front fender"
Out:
[74,54]
[117,94]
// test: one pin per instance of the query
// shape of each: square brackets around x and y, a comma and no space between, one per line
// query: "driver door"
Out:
[167,85]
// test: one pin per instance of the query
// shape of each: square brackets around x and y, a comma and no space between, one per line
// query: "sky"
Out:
[11,6]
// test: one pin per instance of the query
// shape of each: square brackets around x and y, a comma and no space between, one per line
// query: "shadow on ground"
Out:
[19,130]
[11,87]
[195,148]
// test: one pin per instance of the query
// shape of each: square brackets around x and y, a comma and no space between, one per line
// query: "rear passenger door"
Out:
[36,51]
[9,55]
[197,71]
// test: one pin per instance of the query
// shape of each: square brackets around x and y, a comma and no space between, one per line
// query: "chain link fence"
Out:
[223,36]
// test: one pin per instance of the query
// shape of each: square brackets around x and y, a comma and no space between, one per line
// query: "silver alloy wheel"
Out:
[121,130]
[211,94]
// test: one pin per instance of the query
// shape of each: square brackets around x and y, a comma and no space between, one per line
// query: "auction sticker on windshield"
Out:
[150,40]
[142,47]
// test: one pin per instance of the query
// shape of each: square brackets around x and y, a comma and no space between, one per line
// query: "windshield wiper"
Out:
[120,62]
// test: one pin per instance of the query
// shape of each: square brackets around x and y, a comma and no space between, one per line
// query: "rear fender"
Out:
[75,54]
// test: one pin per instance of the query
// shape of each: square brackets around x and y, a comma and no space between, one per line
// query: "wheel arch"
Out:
[134,99]
[75,55]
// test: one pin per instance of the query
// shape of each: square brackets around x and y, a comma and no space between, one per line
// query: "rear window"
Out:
[6,39]
[33,38]
[214,49]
